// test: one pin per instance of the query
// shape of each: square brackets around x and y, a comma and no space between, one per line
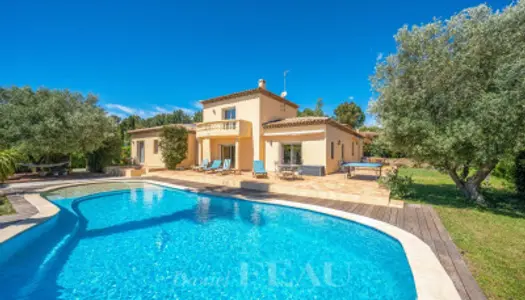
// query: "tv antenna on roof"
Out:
[284,93]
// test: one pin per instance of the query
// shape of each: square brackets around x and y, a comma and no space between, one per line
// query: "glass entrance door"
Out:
[292,154]
[140,152]
[228,152]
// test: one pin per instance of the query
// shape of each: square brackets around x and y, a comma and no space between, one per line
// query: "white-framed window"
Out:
[292,154]
[229,114]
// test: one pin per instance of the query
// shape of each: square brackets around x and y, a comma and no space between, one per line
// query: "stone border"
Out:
[46,210]
[430,278]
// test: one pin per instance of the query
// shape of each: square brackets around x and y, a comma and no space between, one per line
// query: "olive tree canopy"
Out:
[47,123]
[453,94]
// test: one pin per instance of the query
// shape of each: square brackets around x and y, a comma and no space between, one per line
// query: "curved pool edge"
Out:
[46,210]
[430,278]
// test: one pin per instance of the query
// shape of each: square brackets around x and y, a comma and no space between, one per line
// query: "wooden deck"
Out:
[420,220]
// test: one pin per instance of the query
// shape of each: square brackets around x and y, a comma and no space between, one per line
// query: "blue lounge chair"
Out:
[226,167]
[203,165]
[215,165]
[258,169]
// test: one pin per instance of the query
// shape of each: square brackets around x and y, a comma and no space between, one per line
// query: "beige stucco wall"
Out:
[246,108]
[272,110]
[152,160]
[313,144]
[211,150]
[335,135]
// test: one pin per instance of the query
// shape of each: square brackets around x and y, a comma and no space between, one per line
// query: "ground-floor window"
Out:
[292,154]
[228,152]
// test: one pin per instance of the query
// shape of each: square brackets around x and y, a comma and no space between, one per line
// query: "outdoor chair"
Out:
[215,165]
[258,169]
[226,167]
[203,165]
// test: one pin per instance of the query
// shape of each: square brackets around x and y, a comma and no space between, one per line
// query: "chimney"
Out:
[262,84]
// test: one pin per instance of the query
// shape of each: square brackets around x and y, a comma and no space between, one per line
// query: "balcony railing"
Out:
[224,128]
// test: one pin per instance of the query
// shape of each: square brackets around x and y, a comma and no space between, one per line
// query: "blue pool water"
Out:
[152,242]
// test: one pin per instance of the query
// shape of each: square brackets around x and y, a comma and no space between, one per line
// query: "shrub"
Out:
[125,155]
[174,145]
[505,168]
[78,160]
[106,155]
[8,159]
[519,173]
[399,186]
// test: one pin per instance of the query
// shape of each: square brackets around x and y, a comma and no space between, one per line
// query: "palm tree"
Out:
[8,159]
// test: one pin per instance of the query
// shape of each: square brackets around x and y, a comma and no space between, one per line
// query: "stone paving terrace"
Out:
[362,188]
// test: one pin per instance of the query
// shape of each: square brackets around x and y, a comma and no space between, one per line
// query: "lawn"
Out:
[492,240]
[5,207]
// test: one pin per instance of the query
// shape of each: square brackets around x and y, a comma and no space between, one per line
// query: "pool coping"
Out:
[430,278]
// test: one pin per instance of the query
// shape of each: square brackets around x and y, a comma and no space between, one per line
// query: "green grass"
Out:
[492,240]
[5,207]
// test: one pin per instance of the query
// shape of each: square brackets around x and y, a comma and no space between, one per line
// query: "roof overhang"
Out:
[294,133]
[255,91]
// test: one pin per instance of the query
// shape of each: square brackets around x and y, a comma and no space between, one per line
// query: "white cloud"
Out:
[197,105]
[123,111]
[161,110]
[126,109]
[188,111]
[118,114]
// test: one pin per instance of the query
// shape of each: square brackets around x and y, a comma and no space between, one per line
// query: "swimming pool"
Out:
[148,241]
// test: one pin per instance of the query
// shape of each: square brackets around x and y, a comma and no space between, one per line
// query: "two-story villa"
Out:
[257,124]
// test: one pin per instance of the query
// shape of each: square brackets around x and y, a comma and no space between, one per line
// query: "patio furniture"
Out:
[203,165]
[359,165]
[215,165]
[55,169]
[258,169]
[225,167]
[289,171]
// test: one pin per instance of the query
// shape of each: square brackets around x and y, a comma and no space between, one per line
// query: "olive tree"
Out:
[453,93]
[47,123]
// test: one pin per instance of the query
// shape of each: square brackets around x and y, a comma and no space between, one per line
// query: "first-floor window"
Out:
[343,152]
[292,154]
[353,143]
[332,150]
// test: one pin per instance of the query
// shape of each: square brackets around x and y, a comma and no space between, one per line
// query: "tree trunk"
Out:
[471,187]
[473,192]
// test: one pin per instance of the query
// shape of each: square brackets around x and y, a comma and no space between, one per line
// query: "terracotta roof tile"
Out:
[299,121]
[251,92]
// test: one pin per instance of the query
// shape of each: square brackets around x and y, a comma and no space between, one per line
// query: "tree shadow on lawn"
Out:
[500,201]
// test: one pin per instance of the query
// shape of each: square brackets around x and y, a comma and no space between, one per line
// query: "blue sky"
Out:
[147,57]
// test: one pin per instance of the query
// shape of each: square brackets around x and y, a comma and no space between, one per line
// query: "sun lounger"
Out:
[226,167]
[258,169]
[203,165]
[215,165]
